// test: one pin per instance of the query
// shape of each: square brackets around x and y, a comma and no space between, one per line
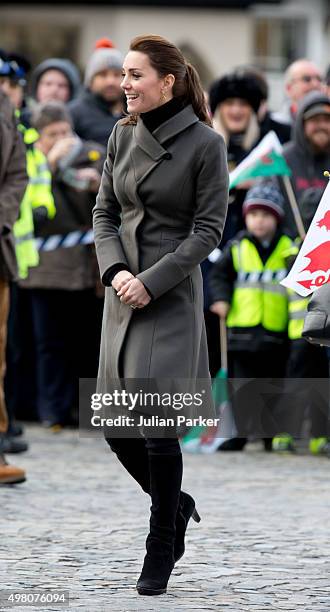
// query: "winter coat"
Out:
[160,211]
[307,167]
[270,123]
[236,152]
[92,117]
[72,268]
[13,181]
[222,279]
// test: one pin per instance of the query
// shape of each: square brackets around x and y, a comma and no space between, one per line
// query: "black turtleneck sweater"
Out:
[152,120]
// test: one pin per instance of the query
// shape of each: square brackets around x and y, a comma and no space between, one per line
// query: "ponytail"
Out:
[166,58]
[195,94]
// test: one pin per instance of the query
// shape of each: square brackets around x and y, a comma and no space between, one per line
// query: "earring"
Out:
[163,97]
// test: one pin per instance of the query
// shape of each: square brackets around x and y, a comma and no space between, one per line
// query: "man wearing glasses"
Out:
[301,77]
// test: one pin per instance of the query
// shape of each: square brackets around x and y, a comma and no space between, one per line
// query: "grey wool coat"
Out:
[160,211]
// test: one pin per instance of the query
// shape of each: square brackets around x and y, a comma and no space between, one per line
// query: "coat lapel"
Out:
[175,125]
[148,151]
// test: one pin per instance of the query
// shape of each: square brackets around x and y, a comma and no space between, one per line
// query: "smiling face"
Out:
[235,114]
[317,131]
[143,87]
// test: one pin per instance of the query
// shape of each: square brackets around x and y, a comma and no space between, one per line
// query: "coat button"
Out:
[167,156]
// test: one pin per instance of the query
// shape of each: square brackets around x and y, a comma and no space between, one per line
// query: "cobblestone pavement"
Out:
[80,522]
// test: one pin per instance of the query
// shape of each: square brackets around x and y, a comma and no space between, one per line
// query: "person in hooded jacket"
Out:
[308,154]
[54,79]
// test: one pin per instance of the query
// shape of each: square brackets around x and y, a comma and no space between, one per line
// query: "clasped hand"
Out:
[130,290]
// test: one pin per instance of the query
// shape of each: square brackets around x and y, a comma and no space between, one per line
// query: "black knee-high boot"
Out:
[165,483]
[133,455]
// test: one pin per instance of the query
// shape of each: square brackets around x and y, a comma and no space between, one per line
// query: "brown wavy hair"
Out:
[166,58]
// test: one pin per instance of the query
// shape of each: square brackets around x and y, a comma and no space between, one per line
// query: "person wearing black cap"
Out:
[234,102]
[308,154]
[245,290]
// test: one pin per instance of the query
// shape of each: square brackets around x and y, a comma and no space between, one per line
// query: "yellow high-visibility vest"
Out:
[37,193]
[297,312]
[258,297]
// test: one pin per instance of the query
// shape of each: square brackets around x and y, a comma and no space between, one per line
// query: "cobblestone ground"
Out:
[80,522]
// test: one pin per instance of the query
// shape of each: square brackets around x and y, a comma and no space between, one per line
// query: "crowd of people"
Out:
[54,130]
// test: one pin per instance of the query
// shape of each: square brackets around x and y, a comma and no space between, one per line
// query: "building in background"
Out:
[216,35]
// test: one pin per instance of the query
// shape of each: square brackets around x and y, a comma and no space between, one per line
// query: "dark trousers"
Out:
[308,366]
[253,411]
[66,327]
[213,341]
[20,381]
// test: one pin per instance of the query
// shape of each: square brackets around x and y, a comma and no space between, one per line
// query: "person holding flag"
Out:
[234,101]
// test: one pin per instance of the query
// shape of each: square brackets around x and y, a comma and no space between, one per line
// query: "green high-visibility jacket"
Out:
[38,193]
[258,298]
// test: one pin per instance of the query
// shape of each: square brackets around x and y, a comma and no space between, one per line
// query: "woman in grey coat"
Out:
[159,213]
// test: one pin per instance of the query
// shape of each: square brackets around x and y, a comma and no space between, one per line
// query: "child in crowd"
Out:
[245,289]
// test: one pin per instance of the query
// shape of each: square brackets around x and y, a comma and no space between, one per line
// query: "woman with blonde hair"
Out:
[234,101]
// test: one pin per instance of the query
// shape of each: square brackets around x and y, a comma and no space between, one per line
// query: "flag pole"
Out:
[223,344]
[294,207]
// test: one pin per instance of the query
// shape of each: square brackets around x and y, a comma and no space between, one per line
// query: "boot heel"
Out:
[196,516]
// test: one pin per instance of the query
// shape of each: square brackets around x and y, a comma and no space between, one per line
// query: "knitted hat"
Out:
[265,196]
[105,57]
[63,65]
[236,85]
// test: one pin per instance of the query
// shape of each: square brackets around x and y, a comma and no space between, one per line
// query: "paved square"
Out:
[80,523]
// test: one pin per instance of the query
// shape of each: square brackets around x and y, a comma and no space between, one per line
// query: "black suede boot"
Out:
[186,510]
[165,482]
[134,457]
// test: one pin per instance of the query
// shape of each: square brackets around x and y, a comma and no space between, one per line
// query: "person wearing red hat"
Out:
[100,104]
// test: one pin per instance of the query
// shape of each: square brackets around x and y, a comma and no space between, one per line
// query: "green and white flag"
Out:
[266,159]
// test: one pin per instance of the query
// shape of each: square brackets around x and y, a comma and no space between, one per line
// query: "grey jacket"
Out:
[160,211]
